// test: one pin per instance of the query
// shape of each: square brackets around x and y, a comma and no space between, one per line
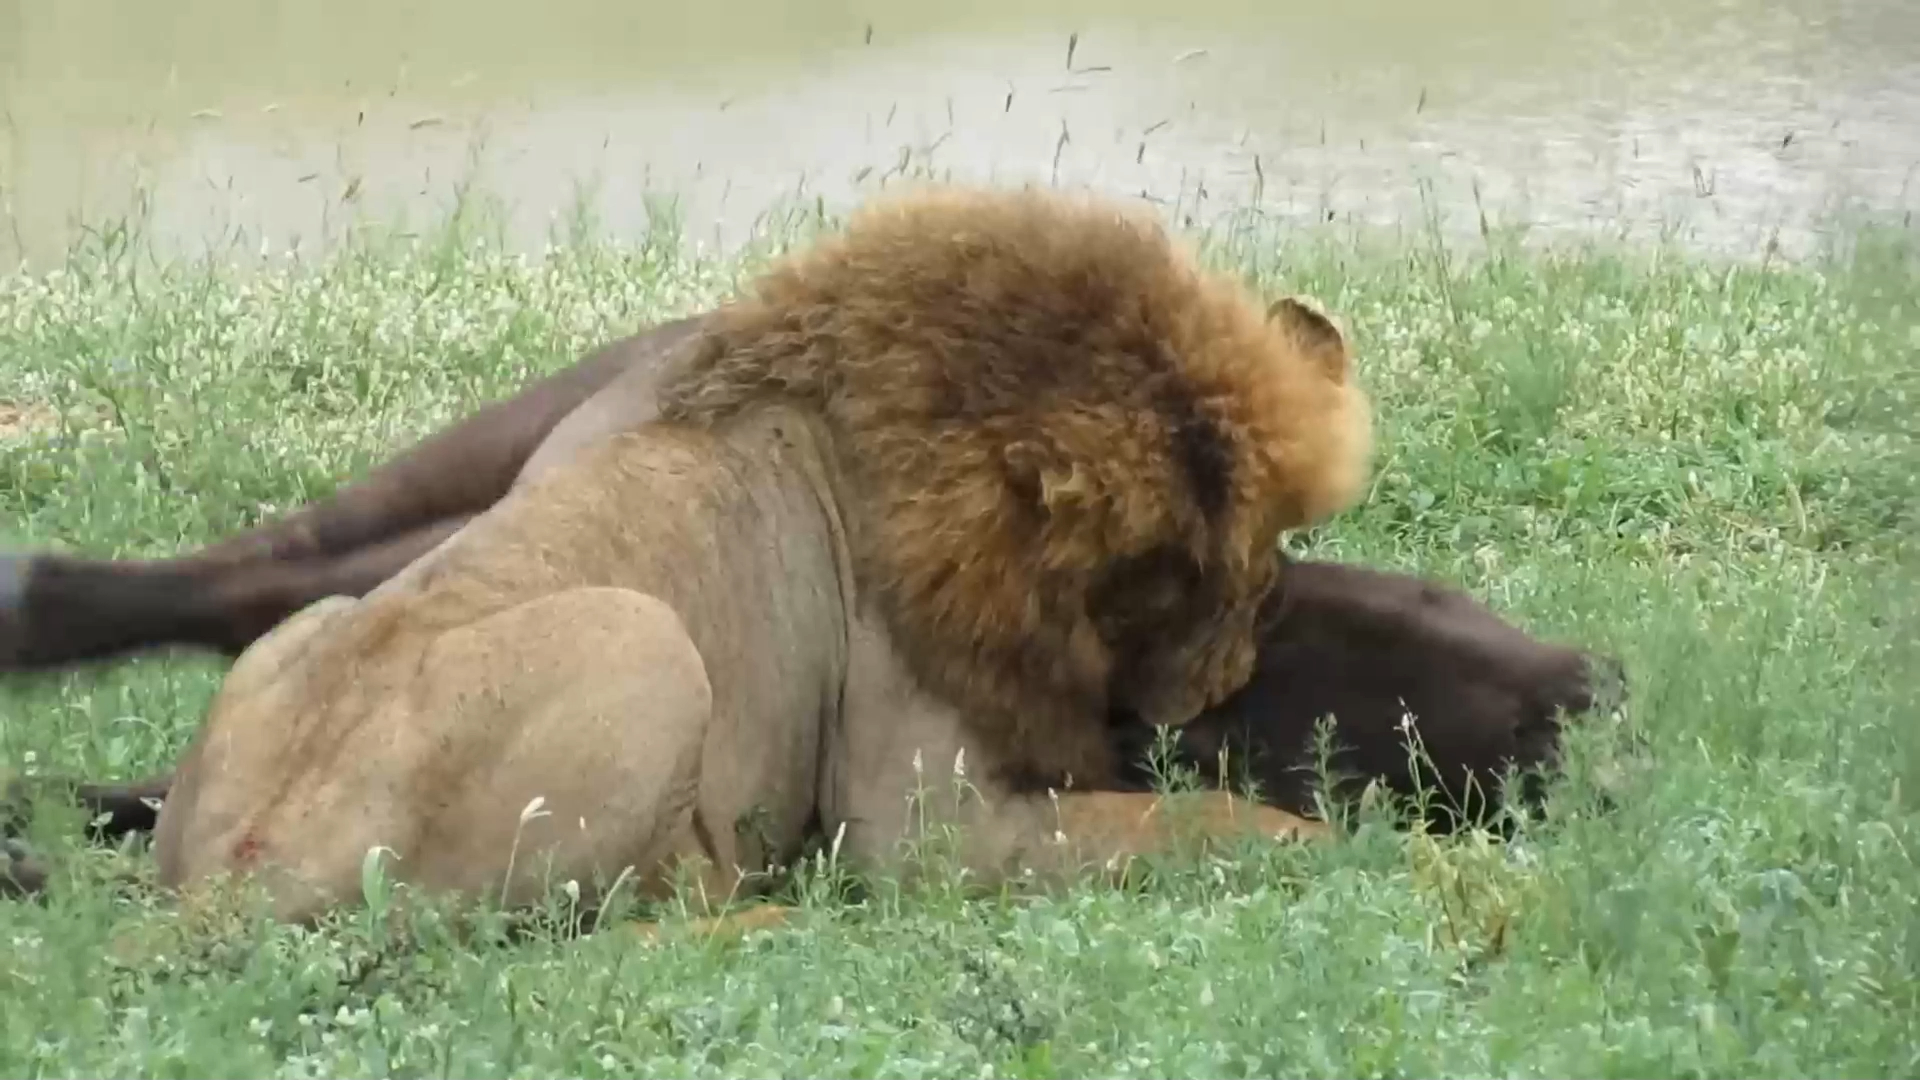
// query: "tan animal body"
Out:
[958,483]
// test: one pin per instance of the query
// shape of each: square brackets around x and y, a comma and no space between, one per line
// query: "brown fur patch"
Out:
[1072,450]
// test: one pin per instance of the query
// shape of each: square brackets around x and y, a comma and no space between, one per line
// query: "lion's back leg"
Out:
[594,704]
[907,760]
[558,739]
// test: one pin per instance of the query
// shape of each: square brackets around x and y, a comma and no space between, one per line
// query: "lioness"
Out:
[953,485]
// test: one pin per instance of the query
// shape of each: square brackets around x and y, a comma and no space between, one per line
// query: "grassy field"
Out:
[1705,468]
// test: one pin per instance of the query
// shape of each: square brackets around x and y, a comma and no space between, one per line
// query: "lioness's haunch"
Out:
[957,483]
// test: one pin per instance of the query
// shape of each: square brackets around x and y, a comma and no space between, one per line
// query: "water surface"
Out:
[1725,123]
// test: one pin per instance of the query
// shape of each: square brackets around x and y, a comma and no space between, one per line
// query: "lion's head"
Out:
[1070,449]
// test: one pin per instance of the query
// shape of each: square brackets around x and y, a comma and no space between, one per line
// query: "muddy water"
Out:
[225,123]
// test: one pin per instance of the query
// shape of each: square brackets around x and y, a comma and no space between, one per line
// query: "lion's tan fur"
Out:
[533,657]
[955,481]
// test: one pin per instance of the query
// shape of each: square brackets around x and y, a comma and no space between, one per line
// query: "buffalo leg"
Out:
[241,604]
[73,610]
[57,610]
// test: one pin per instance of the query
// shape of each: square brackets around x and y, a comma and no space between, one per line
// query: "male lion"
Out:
[954,484]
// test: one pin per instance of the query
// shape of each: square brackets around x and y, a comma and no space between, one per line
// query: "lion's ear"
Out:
[1039,477]
[1314,332]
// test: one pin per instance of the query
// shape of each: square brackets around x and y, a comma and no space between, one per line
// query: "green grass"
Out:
[1703,467]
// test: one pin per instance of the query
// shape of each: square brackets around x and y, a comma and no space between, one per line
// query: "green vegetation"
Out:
[1706,468]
